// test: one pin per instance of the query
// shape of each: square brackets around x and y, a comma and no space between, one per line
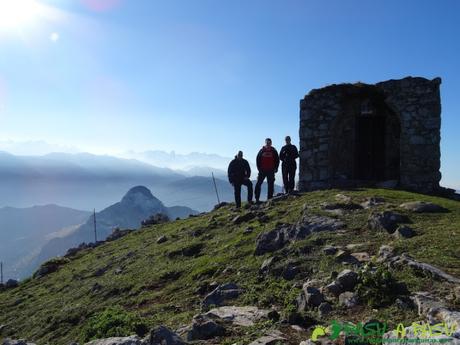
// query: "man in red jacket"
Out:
[268,162]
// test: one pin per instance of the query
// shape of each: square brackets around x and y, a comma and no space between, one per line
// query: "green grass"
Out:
[157,284]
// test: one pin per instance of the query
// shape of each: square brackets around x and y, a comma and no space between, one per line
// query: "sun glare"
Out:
[16,14]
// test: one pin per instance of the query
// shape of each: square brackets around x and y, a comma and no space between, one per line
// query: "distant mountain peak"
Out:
[142,197]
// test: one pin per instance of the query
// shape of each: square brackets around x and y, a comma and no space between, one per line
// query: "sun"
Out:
[16,14]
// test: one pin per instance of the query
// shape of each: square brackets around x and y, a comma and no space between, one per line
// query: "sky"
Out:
[215,76]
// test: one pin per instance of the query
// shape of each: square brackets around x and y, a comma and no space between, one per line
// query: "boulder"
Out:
[330,250]
[361,256]
[162,239]
[404,231]
[282,234]
[373,202]
[324,309]
[385,252]
[347,279]
[348,299]
[274,338]
[222,293]
[164,336]
[334,288]
[422,207]
[16,342]
[310,297]
[241,316]
[132,340]
[204,328]
[387,221]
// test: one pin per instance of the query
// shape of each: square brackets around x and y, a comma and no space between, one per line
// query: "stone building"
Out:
[385,134]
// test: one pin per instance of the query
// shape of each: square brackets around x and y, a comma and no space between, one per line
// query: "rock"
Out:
[334,288]
[330,250]
[387,220]
[2,327]
[271,241]
[8,341]
[274,338]
[289,271]
[385,252]
[96,287]
[243,218]
[11,283]
[342,198]
[313,296]
[422,207]
[222,293]
[50,266]
[204,328]
[164,336]
[241,316]
[267,264]
[347,279]
[132,340]
[405,260]
[162,239]
[324,309]
[248,230]
[372,202]
[404,231]
[310,297]
[348,299]
[282,234]
[158,218]
[361,256]
[117,233]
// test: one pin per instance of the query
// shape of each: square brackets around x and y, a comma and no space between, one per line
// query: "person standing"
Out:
[288,155]
[239,173]
[267,163]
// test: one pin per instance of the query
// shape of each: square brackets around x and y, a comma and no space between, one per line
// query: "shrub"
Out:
[113,322]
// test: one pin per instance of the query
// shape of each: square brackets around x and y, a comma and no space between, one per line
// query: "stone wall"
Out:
[407,153]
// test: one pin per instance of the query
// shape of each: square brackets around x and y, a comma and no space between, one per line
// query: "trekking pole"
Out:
[1,272]
[215,187]
[95,233]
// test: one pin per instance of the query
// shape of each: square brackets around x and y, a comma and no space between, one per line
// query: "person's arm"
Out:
[296,152]
[283,153]
[259,156]
[277,160]
[248,170]
[230,172]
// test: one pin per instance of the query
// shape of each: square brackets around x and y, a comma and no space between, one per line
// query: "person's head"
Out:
[239,155]
[268,142]
[288,139]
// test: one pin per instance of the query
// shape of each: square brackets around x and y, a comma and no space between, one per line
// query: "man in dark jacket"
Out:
[239,173]
[267,163]
[288,155]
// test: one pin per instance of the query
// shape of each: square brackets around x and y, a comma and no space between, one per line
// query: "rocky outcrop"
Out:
[277,238]
[422,207]
[241,316]
[164,336]
[221,294]
[273,338]
[386,221]
[132,340]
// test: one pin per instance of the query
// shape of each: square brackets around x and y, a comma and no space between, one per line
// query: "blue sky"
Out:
[214,76]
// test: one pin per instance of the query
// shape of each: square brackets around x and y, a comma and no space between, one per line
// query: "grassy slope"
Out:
[162,288]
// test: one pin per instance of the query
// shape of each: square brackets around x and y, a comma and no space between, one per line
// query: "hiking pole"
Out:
[1,272]
[215,187]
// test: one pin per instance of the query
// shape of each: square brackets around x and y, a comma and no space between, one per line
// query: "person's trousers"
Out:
[270,175]
[288,177]
[237,190]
